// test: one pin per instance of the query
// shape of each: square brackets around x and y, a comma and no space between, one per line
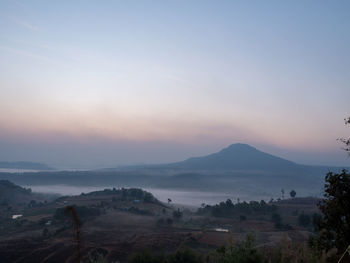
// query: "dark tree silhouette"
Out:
[334,227]
[293,193]
[71,210]
[304,220]
[344,140]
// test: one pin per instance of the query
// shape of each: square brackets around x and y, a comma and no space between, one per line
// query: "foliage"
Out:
[138,211]
[293,193]
[228,209]
[242,218]
[287,251]
[95,256]
[146,257]
[181,256]
[316,221]
[185,256]
[126,194]
[277,220]
[177,214]
[45,232]
[304,220]
[164,222]
[83,213]
[346,141]
[334,227]
[243,252]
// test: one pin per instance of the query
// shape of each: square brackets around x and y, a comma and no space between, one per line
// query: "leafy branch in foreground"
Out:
[346,141]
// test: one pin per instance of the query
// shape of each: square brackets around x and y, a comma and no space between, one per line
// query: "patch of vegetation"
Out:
[84,213]
[165,222]
[177,214]
[304,220]
[277,220]
[126,194]
[180,256]
[228,209]
[138,211]
[243,252]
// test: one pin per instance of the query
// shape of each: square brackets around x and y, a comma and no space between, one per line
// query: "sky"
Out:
[89,84]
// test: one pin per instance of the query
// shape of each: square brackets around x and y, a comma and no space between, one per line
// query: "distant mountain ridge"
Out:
[238,156]
[25,165]
[239,169]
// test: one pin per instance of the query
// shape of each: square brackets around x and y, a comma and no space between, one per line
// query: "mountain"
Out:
[25,165]
[239,169]
[238,157]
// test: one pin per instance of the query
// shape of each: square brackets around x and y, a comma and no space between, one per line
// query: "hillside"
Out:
[117,223]
[9,192]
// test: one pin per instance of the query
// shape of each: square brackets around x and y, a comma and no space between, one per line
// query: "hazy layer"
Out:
[191,198]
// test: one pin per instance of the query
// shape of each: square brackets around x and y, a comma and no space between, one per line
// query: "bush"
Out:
[242,218]
[304,220]
[181,256]
[146,257]
[276,218]
[186,256]
[83,213]
[243,252]
[177,214]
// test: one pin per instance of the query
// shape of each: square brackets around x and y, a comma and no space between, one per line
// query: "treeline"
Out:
[229,209]
[123,194]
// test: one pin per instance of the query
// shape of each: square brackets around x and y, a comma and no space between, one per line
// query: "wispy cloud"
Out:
[25,24]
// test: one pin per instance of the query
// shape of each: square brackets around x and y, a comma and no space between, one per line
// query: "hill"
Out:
[9,192]
[25,165]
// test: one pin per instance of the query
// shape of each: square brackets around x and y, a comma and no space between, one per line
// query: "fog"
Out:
[189,198]
[69,154]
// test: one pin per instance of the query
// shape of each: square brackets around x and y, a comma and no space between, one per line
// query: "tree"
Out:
[242,218]
[304,220]
[45,232]
[293,193]
[277,219]
[177,214]
[334,227]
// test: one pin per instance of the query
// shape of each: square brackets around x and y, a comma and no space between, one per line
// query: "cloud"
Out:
[25,24]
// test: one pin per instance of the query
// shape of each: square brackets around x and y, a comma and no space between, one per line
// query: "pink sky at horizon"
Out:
[167,81]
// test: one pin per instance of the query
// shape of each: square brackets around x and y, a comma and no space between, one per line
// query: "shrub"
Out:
[304,220]
[177,214]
